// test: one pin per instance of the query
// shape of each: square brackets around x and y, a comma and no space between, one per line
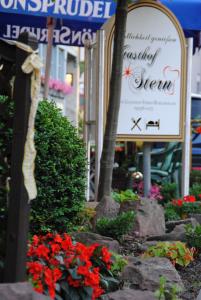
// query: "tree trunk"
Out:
[107,158]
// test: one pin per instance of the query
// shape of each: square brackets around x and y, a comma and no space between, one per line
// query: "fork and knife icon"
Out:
[136,122]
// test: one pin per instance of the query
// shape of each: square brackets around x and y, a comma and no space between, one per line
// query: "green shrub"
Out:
[59,168]
[177,252]
[193,236]
[195,190]
[60,171]
[127,195]
[116,227]
[166,292]
[171,214]
[195,177]
[169,192]
[118,264]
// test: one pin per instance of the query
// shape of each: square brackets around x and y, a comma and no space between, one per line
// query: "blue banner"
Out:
[65,33]
[97,11]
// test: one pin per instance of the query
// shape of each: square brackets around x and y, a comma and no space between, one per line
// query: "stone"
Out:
[89,238]
[199,296]
[128,294]
[107,207]
[91,204]
[149,220]
[144,273]
[19,291]
[178,234]
[170,225]
[129,205]
[197,217]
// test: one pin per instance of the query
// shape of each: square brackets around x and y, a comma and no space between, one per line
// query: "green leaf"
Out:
[73,273]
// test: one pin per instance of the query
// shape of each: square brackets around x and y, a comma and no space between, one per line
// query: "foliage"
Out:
[168,192]
[195,177]
[118,263]
[170,213]
[195,190]
[123,196]
[167,293]
[65,270]
[85,219]
[59,171]
[177,252]
[193,236]
[116,227]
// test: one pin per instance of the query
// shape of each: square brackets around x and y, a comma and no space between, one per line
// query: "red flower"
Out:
[189,198]
[58,238]
[73,282]
[39,287]
[42,251]
[35,267]
[198,129]
[55,248]
[106,255]
[35,240]
[179,202]
[56,274]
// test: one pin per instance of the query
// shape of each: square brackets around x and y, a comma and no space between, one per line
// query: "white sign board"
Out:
[153,79]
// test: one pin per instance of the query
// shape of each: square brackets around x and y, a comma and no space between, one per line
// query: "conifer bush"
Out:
[60,169]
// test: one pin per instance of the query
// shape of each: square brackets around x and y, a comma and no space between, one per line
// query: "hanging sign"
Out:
[154,75]
[79,10]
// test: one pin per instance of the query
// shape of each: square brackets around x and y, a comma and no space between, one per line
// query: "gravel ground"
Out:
[191,275]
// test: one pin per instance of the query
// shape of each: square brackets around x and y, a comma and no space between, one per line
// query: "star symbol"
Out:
[128,72]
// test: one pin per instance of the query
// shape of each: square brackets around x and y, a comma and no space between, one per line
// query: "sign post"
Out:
[154,77]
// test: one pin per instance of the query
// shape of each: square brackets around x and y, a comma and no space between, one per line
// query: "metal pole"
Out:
[87,86]
[147,168]
[99,105]
[50,25]
[186,147]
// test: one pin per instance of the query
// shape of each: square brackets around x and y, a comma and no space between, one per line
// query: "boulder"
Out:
[170,225]
[129,205]
[128,294]
[19,291]
[197,217]
[199,296]
[107,207]
[144,273]
[149,219]
[178,234]
[89,238]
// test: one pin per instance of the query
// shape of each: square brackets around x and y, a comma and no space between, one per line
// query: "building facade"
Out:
[64,79]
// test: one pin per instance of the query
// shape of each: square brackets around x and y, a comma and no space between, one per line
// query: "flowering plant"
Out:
[154,193]
[184,206]
[65,270]
[58,85]
[177,252]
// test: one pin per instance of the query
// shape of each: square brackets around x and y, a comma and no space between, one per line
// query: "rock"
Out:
[149,219]
[19,291]
[199,296]
[91,204]
[107,207]
[129,205]
[170,225]
[128,294]
[178,234]
[144,273]
[197,217]
[89,238]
